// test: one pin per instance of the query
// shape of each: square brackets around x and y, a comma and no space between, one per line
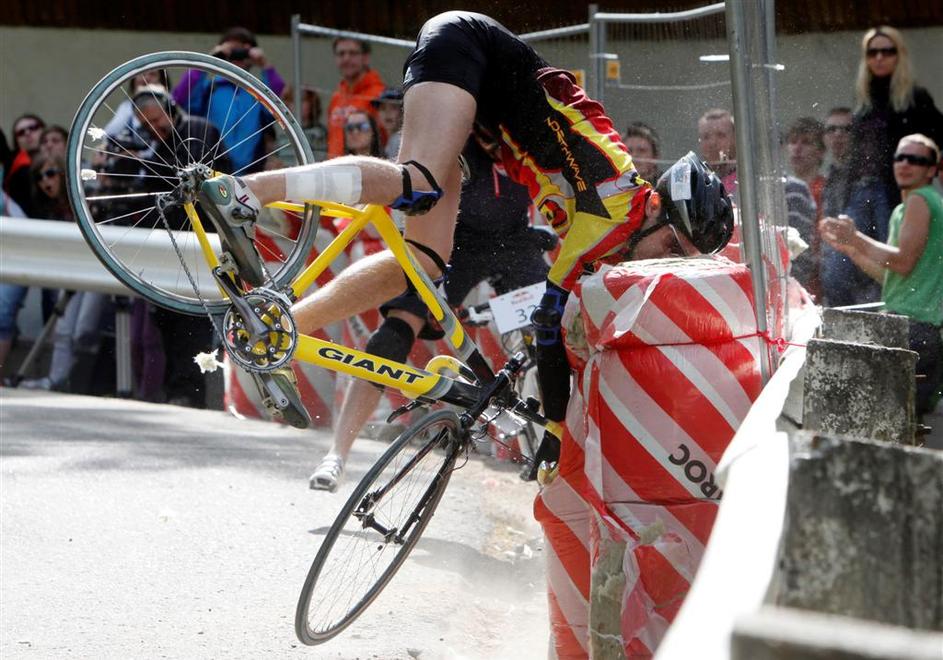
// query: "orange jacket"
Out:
[346,99]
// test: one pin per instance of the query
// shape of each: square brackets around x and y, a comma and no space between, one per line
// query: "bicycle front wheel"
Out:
[131,152]
[378,527]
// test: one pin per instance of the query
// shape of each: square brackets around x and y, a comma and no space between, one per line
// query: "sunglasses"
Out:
[362,126]
[914,160]
[886,52]
[838,128]
[48,173]
[31,128]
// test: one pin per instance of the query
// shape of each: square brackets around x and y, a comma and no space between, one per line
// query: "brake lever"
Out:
[402,410]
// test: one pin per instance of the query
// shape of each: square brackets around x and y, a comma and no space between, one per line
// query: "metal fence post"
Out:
[747,39]
[124,375]
[296,65]
[597,64]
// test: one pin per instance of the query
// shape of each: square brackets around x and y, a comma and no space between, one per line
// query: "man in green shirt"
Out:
[910,264]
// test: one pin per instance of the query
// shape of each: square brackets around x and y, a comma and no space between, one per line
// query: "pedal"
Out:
[279,403]
[276,397]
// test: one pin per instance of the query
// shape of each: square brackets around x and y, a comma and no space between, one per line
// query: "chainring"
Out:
[276,346]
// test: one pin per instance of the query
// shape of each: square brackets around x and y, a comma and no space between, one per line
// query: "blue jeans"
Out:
[843,283]
[11,300]
[78,331]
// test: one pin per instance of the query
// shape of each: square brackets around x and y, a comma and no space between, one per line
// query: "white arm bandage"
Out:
[324,181]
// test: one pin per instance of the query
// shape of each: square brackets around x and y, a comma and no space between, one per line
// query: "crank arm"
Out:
[256,327]
[270,391]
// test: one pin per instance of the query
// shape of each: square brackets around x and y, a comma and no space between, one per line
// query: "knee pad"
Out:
[393,340]
[416,202]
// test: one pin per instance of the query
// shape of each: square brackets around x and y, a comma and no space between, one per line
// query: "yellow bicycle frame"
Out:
[430,383]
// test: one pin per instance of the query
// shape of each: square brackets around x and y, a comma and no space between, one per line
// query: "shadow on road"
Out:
[74,430]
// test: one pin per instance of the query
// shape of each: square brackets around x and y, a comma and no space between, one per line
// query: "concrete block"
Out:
[607,585]
[864,531]
[792,406]
[891,330]
[776,633]
[859,390]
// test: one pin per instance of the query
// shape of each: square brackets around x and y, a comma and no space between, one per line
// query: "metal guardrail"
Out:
[55,255]
[661,16]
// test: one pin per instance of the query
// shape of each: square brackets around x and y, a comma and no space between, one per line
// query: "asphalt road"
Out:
[132,530]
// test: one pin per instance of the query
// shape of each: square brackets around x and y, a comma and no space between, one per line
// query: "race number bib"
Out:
[512,310]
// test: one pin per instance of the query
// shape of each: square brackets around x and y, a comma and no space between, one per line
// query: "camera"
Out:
[235,55]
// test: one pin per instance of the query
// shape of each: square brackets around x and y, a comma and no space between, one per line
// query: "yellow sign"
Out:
[612,69]
[580,75]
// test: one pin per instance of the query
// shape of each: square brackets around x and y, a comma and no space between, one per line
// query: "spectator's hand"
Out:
[257,57]
[838,232]
[222,50]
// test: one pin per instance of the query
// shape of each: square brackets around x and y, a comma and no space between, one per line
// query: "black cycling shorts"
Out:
[447,53]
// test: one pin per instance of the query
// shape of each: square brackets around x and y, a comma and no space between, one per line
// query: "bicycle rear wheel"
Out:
[378,527]
[126,154]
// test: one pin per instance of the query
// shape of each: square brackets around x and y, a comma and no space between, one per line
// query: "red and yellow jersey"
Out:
[579,174]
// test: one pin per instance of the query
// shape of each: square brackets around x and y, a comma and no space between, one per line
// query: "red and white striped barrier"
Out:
[669,365]
[566,516]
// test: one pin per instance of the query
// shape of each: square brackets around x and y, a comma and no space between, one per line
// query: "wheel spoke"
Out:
[260,159]
[146,162]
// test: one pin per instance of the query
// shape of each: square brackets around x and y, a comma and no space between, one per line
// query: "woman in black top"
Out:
[890,106]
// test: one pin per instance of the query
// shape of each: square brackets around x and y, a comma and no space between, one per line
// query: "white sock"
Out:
[324,181]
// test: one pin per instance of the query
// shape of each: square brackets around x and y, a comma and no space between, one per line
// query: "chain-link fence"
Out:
[664,70]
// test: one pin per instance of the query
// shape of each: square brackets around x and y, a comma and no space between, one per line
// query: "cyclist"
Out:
[493,242]
[468,71]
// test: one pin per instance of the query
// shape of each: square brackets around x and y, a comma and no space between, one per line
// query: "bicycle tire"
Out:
[331,567]
[527,387]
[285,241]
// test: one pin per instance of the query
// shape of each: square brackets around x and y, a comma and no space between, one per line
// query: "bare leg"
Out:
[371,281]
[359,403]
[361,400]
[437,122]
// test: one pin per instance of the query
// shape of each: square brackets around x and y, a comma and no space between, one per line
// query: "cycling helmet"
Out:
[695,202]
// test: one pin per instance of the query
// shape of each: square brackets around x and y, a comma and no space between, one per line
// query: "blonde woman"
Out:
[889,106]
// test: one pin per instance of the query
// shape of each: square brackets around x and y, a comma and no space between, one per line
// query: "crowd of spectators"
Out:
[841,165]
